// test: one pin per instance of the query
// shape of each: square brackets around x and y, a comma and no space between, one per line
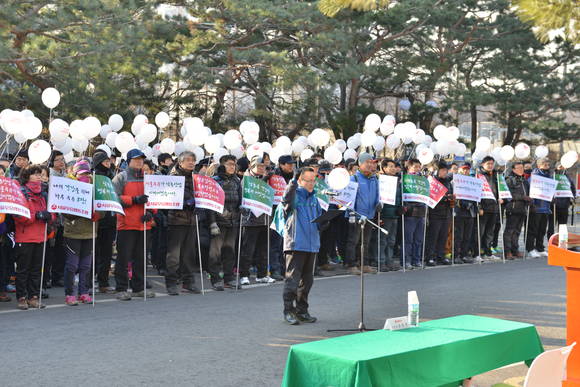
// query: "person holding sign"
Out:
[414,223]
[390,219]
[538,222]
[366,204]
[301,244]
[130,189]
[465,214]
[489,209]
[30,235]
[516,210]
[222,251]
[182,242]
[563,199]
[439,219]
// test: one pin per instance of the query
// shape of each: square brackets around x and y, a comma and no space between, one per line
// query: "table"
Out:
[437,353]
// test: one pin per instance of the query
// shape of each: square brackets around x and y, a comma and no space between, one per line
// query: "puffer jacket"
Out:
[520,189]
[128,184]
[232,187]
[541,206]
[443,209]
[300,209]
[367,194]
[185,217]
[488,205]
[31,230]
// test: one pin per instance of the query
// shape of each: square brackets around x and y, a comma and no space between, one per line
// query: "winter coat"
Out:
[488,205]
[300,209]
[129,184]
[520,189]
[367,194]
[541,206]
[31,230]
[232,187]
[184,217]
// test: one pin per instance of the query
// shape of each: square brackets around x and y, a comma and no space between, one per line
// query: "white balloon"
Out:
[372,122]
[522,150]
[141,119]
[496,153]
[252,135]
[232,139]
[428,140]
[105,130]
[156,150]
[320,137]
[368,138]
[306,154]
[389,119]
[400,130]
[254,150]
[419,136]
[338,179]
[212,144]
[199,153]
[148,152]
[39,151]
[340,144]
[80,144]
[50,97]
[352,142]
[77,129]
[57,142]
[379,144]
[434,146]
[197,134]
[483,143]
[349,154]
[405,104]
[92,127]
[167,145]
[425,156]
[124,142]
[569,159]
[298,146]
[283,141]
[179,148]
[148,133]
[439,132]
[33,128]
[115,122]
[333,155]
[238,152]
[194,124]
[393,141]
[14,122]
[507,152]
[162,119]
[453,133]
[218,154]
[68,157]
[106,149]
[66,147]
[136,127]
[110,140]
[141,142]
[27,113]
[387,128]
[541,151]
[461,149]
[244,126]
[267,147]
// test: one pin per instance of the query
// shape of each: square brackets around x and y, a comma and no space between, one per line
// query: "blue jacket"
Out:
[300,209]
[541,206]
[367,195]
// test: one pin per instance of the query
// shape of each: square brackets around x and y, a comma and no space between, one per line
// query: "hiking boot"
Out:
[35,304]
[218,286]
[291,318]
[85,299]
[142,293]
[306,317]
[22,304]
[124,296]
[354,270]
[71,301]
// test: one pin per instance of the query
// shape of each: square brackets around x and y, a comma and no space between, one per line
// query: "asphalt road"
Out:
[228,339]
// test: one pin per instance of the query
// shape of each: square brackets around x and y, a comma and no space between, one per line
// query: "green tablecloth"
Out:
[437,353]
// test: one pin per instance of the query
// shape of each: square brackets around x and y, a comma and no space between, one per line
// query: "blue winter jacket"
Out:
[367,195]
[300,209]
[541,206]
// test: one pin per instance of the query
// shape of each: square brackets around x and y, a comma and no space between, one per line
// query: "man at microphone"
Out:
[301,244]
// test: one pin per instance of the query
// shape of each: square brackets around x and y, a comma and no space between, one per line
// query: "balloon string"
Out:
[15,156]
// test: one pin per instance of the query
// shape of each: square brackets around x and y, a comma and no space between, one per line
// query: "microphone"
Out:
[329,192]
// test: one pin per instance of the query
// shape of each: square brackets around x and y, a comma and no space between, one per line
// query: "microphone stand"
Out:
[362,221]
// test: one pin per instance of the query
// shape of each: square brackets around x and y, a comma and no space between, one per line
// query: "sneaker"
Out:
[291,318]
[218,286]
[35,304]
[22,304]
[191,289]
[172,291]
[543,253]
[245,281]
[417,265]
[534,254]
[124,296]
[85,299]
[509,256]
[444,261]
[231,285]
[11,288]
[408,266]
[369,269]
[71,301]
[142,293]
[106,289]
[458,261]
[491,257]
[4,297]
[431,263]
[467,260]
[277,276]
[306,317]
[327,267]
[265,280]
[477,259]
[354,270]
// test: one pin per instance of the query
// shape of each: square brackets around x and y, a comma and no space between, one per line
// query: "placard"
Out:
[257,196]
[68,196]
[563,188]
[388,189]
[467,187]
[347,196]
[106,198]
[208,193]
[415,189]
[503,189]
[486,192]
[319,187]
[542,188]
[12,200]
[165,192]
[279,184]
[436,192]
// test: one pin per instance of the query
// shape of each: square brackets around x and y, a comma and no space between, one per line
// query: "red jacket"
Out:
[128,184]
[31,230]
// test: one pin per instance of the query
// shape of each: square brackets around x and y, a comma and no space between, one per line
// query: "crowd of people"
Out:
[454,231]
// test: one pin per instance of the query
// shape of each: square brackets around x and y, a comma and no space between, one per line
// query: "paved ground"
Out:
[227,339]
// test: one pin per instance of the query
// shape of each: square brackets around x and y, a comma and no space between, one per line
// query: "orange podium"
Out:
[570,260]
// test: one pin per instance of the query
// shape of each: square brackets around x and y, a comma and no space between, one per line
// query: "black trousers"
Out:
[340,224]
[104,254]
[28,265]
[6,263]
[298,282]
[436,237]
[537,231]
[511,234]
[182,254]
[487,229]
[254,247]
[353,239]
[159,240]
[561,218]
[55,257]
[463,234]
[130,249]
[222,254]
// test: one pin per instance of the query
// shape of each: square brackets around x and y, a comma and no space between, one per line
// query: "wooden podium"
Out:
[570,260]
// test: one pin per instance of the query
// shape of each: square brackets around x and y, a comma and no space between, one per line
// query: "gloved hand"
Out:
[214,229]
[142,199]
[363,219]
[147,217]
[189,204]
[44,216]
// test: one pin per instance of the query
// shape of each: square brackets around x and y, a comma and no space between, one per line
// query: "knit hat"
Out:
[255,161]
[81,167]
[99,157]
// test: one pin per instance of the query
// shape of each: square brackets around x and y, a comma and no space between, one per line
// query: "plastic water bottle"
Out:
[563,236]
[413,308]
